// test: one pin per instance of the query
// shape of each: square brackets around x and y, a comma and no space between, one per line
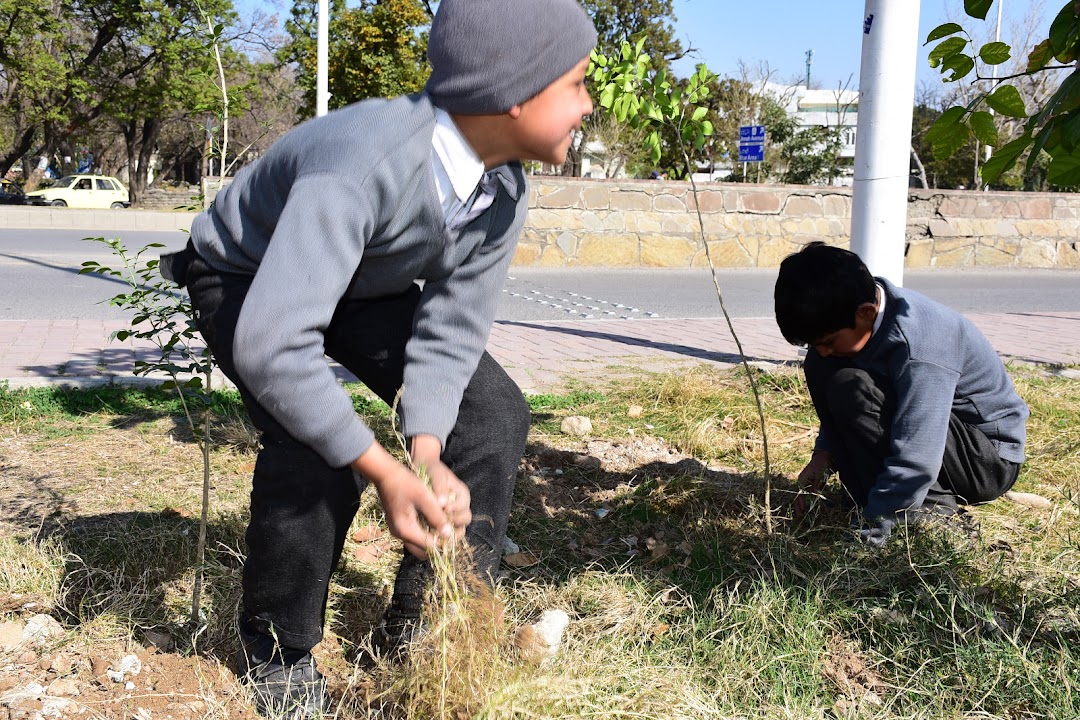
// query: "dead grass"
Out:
[648,534]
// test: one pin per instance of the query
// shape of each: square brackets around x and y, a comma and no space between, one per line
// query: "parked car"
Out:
[11,193]
[82,191]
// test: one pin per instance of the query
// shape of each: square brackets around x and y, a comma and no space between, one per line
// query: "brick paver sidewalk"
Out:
[540,356]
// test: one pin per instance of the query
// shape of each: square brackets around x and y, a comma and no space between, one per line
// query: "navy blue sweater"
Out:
[938,363]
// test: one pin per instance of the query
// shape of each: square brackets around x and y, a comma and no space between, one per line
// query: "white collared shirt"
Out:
[881,309]
[456,165]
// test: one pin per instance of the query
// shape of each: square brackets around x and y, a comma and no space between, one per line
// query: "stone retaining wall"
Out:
[576,222]
[650,223]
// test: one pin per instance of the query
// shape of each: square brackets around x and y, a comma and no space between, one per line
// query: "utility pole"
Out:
[809,62]
[886,95]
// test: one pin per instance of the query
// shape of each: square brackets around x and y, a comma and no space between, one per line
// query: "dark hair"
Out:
[818,291]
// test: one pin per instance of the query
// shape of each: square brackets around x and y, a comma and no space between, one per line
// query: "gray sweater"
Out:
[938,364]
[346,206]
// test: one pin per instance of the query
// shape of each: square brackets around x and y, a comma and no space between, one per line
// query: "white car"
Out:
[82,191]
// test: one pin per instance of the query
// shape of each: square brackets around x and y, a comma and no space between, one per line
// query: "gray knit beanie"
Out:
[489,55]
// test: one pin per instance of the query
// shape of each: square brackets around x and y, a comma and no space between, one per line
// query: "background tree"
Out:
[618,21]
[377,49]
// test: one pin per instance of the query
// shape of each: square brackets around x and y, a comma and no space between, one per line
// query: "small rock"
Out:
[32,691]
[576,425]
[1030,500]
[129,685]
[11,635]
[161,640]
[40,628]
[545,635]
[509,546]
[128,665]
[587,462]
[635,411]
[63,687]
[55,707]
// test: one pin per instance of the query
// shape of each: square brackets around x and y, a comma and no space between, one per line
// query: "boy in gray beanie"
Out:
[313,252]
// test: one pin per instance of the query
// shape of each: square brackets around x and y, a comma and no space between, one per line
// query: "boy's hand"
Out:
[405,501]
[450,492]
[812,478]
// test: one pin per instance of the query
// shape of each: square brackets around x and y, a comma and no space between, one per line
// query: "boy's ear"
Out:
[514,112]
[867,312]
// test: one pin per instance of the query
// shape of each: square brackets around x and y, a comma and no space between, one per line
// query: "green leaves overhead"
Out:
[982,124]
[1007,101]
[644,98]
[942,31]
[995,53]
[946,49]
[1053,128]
[977,8]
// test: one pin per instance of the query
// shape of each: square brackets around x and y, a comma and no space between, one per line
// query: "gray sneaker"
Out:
[286,683]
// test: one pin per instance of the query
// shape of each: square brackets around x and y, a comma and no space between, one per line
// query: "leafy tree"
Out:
[1053,128]
[174,74]
[650,22]
[75,71]
[377,49]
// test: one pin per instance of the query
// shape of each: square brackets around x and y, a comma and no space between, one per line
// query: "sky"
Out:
[781,31]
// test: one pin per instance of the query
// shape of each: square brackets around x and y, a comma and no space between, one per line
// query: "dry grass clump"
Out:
[463,651]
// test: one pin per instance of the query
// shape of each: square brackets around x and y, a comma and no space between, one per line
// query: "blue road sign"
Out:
[753,134]
[751,153]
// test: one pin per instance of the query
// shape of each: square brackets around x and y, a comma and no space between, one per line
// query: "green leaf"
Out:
[1063,33]
[1070,130]
[977,8]
[1064,168]
[982,124]
[960,64]
[707,128]
[951,140]
[1040,56]
[946,48]
[1041,141]
[944,30]
[1007,101]
[1004,158]
[944,122]
[607,96]
[995,53]
[699,114]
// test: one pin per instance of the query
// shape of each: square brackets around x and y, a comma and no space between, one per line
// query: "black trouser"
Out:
[859,409]
[301,508]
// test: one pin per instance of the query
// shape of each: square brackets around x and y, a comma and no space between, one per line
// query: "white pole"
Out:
[883,135]
[993,84]
[322,53]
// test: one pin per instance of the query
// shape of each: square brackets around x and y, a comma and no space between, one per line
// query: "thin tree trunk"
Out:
[922,170]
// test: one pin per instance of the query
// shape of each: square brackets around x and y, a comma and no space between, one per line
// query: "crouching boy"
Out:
[917,413]
[314,251]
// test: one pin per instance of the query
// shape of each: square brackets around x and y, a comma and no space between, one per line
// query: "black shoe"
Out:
[401,623]
[286,683]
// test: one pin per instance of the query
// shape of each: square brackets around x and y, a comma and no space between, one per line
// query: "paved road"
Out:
[40,281]
[51,330]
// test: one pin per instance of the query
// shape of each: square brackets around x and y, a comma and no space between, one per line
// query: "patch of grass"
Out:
[680,605]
